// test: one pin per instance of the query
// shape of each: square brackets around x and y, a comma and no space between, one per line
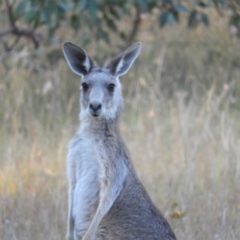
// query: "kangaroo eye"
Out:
[85,87]
[111,87]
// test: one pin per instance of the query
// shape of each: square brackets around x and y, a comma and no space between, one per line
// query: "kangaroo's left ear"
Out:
[121,64]
[77,59]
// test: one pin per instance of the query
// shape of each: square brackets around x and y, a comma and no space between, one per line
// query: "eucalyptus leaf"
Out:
[192,19]
[167,18]
[181,8]
[113,12]
[93,10]
[64,6]
[31,15]
[205,19]
[20,9]
[83,5]
[168,2]
[111,25]
[75,22]
[142,4]
[46,15]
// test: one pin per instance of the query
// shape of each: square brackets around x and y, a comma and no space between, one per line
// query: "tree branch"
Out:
[10,14]
[35,38]
[136,24]
[29,34]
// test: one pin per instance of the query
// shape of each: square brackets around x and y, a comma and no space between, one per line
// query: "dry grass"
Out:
[180,122]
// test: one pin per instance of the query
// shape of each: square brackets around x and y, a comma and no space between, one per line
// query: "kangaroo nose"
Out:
[95,106]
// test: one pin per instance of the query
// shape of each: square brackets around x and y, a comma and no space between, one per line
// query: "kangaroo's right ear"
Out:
[120,64]
[77,59]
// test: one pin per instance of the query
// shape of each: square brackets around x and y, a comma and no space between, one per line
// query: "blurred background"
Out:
[180,121]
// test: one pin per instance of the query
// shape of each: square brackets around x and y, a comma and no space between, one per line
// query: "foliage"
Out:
[39,20]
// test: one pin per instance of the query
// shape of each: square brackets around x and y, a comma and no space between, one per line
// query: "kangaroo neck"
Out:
[99,126]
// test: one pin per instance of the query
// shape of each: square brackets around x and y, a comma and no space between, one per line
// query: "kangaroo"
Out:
[106,199]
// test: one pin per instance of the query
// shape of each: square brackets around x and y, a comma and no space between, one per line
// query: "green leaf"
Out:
[122,35]
[195,3]
[142,4]
[31,15]
[111,25]
[202,4]
[20,9]
[172,17]
[167,18]
[64,6]
[204,19]
[86,39]
[51,31]
[83,5]
[45,15]
[114,13]
[152,4]
[54,41]
[192,19]
[234,20]
[175,15]
[215,3]
[93,10]
[59,13]
[181,8]
[168,2]
[75,22]
[163,19]
[222,1]
[50,5]
[104,36]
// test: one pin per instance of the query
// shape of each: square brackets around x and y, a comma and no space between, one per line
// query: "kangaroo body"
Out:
[106,199]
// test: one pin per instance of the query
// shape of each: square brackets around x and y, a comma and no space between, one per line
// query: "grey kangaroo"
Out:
[106,199]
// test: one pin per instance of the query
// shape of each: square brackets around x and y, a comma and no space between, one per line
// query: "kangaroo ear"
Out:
[120,64]
[77,59]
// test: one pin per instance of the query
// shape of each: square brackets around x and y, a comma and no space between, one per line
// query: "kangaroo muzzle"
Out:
[95,108]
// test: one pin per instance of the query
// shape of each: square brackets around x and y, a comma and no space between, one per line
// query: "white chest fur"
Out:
[85,160]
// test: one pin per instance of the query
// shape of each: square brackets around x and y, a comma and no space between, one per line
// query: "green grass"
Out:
[180,122]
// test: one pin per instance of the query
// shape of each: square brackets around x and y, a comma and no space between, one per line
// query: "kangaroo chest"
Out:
[89,155]
[92,155]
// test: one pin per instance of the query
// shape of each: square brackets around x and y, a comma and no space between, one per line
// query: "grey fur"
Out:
[106,199]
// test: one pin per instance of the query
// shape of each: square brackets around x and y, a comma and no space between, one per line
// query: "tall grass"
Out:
[180,122]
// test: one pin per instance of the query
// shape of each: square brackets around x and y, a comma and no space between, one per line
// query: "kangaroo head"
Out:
[101,95]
